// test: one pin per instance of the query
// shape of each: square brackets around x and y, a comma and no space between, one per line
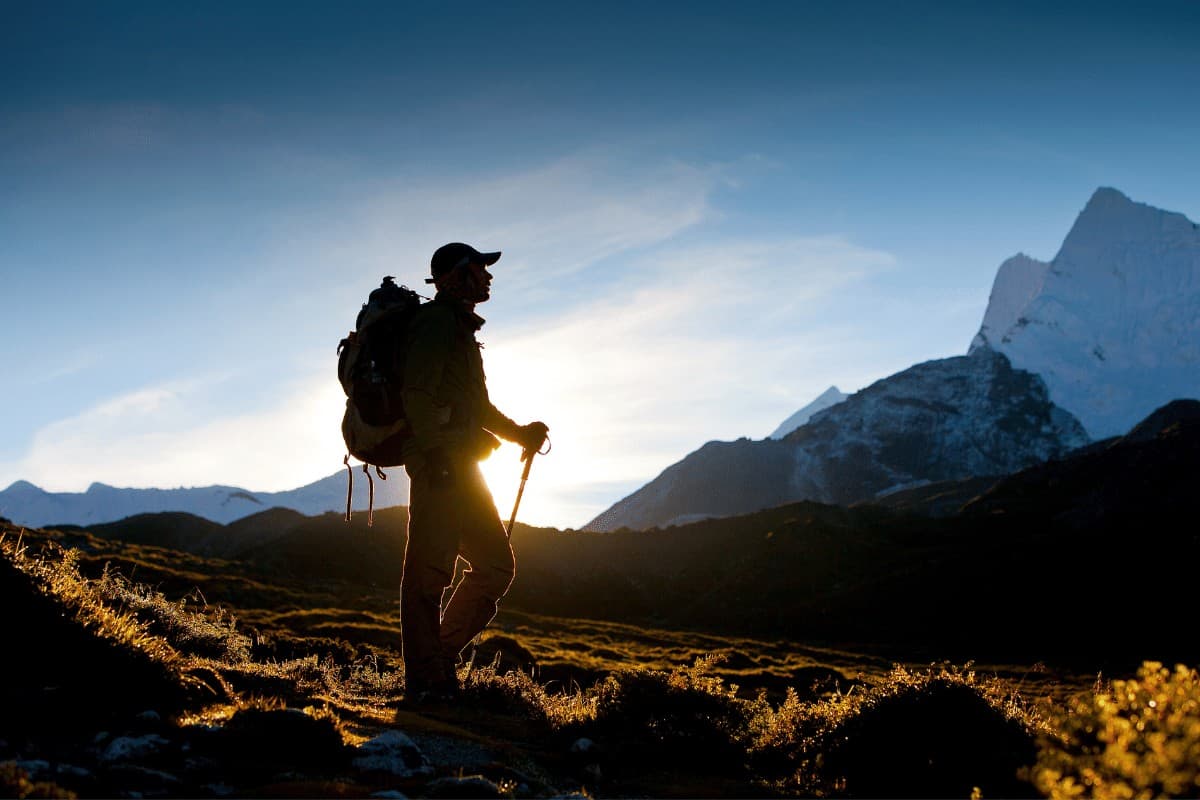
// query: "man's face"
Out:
[477,283]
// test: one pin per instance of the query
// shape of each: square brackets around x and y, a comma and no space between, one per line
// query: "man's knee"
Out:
[425,581]
[497,576]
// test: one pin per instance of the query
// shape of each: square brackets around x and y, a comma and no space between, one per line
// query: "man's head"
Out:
[461,271]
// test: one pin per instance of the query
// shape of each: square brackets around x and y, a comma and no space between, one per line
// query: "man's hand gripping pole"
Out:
[527,457]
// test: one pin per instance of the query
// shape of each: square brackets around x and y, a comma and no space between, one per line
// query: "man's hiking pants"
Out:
[443,524]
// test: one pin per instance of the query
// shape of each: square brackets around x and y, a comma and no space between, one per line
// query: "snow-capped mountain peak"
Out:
[1111,223]
[830,397]
[1112,324]
[1018,281]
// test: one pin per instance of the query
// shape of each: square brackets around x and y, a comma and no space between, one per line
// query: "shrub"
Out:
[1136,738]
[938,739]
[686,713]
[511,693]
[940,732]
[16,782]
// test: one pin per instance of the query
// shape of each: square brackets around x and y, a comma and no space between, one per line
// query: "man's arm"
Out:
[531,437]
[499,424]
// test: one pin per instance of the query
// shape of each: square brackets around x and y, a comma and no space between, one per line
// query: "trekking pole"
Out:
[520,491]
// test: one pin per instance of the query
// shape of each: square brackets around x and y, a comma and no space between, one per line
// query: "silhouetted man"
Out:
[451,511]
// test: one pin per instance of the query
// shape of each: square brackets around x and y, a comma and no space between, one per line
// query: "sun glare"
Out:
[502,471]
[544,378]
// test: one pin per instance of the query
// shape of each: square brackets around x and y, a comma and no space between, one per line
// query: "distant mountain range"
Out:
[1081,347]
[1071,350]
[26,504]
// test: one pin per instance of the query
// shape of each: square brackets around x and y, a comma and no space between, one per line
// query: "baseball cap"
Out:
[456,254]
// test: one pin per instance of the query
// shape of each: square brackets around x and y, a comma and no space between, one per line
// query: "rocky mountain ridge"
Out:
[943,419]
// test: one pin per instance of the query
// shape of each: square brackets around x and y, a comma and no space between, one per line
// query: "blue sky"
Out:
[709,212]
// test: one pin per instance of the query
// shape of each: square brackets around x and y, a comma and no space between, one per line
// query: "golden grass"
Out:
[731,707]
[57,570]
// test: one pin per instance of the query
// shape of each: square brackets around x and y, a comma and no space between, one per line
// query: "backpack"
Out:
[371,371]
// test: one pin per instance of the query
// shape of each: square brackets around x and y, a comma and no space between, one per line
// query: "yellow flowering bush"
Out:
[1137,738]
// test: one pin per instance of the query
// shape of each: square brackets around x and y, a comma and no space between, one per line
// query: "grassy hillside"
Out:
[173,696]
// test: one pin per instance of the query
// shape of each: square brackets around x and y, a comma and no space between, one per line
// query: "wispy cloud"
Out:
[172,435]
[624,316]
[551,220]
[696,351]
[57,366]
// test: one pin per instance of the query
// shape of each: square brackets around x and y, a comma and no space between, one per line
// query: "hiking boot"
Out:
[422,695]
[434,697]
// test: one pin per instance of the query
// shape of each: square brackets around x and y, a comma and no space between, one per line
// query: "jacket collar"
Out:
[466,311]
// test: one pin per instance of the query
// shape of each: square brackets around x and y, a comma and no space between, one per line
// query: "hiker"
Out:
[451,511]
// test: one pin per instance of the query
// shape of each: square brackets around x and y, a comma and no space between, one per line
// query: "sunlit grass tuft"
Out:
[205,631]
[56,569]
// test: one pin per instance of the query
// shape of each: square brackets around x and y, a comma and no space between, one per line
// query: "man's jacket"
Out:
[445,390]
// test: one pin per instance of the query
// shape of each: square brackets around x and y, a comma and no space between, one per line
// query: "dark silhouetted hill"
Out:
[328,547]
[1123,478]
[1083,558]
[940,499]
[324,547]
[173,529]
[192,534]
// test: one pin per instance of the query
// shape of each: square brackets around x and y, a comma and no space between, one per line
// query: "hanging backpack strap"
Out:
[370,497]
[349,484]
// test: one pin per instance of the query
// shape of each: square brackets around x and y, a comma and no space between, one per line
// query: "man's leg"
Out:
[434,523]
[484,545]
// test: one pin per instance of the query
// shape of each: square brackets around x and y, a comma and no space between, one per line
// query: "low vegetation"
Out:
[278,709]
[1127,739]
